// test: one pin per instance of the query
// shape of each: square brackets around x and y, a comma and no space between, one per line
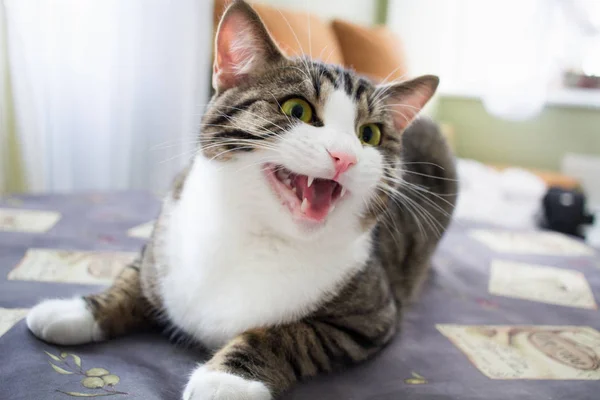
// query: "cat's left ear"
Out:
[243,46]
[406,99]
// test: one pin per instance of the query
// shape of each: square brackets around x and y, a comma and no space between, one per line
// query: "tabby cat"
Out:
[293,241]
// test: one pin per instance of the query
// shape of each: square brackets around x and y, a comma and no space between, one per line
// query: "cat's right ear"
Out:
[243,46]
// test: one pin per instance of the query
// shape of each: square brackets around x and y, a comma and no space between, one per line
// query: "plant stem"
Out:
[113,391]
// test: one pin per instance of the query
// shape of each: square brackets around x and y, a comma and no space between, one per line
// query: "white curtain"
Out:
[3,105]
[529,50]
[107,93]
[509,53]
[522,47]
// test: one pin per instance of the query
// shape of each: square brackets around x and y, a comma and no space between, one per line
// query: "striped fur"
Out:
[404,219]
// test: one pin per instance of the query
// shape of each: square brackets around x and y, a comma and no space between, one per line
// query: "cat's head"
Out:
[309,144]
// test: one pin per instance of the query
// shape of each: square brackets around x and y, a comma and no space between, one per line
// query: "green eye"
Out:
[297,108]
[370,134]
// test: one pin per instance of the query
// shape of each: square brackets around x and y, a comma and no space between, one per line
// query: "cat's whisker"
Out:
[259,134]
[407,119]
[383,87]
[390,106]
[401,181]
[241,143]
[422,219]
[329,55]
[262,161]
[186,153]
[307,76]
[309,35]
[421,191]
[424,163]
[428,217]
[297,42]
[173,143]
[410,208]
[431,203]
[381,206]
[220,154]
[322,51]
[279,105]
[234,124]
[238,142]
[430,176]
[258,116]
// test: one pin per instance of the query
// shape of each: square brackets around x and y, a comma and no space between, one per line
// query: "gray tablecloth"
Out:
[458,341]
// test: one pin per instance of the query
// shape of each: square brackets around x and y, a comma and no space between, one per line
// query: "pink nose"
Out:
[342,161]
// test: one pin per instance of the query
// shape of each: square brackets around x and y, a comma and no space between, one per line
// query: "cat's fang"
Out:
[308,198]
[343,192]
[304,206]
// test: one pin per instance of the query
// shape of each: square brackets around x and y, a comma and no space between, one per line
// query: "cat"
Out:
[295,238]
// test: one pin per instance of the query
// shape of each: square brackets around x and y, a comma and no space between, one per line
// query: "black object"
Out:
[564,211]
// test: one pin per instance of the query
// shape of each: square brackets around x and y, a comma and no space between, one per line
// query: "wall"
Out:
[359,11]
[11,174]
[428,32]
[538,143]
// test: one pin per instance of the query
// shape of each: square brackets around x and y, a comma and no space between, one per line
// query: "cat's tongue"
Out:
[316,199]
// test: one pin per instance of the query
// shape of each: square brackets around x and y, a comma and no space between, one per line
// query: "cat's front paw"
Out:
[205,384]
[64,321]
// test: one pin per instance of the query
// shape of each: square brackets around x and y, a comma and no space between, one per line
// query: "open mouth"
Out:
[306,197]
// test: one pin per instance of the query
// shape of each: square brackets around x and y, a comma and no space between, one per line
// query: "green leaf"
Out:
[97,372]
[52,356]
[64,355]
[91,382]
[415,381]
[60,370]
[415,375]
[77,394]
[111,380]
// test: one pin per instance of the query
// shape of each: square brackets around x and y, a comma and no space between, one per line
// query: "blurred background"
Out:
[107,95]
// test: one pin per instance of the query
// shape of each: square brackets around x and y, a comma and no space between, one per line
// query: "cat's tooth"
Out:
[304,205]
[331,209]
[310,180]
[288,182]
[343,192]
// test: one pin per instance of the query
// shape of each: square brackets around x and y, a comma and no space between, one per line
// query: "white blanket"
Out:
[510,198]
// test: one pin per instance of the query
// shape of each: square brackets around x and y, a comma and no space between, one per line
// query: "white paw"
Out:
[205,384]
[64,322]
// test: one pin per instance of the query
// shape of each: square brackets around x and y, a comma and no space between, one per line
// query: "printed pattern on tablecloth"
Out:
[143,231]
[31,221]
[529,352]
[541,243]
[9,317]
[540,283]
[66,266]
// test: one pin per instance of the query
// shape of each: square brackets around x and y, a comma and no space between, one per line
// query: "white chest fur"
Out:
[228,274]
